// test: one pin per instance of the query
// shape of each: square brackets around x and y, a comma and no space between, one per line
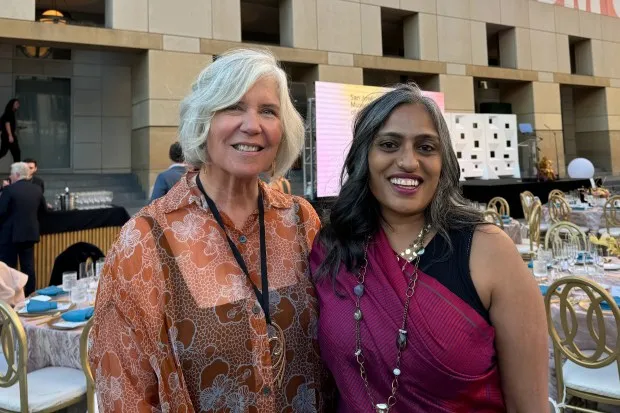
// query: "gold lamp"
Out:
[49,16]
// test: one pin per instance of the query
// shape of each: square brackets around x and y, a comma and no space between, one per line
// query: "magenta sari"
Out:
[449,364]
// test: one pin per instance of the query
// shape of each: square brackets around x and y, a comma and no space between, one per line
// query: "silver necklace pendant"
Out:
[382,408]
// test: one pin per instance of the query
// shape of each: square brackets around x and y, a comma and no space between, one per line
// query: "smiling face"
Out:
[244,138]
[405,162]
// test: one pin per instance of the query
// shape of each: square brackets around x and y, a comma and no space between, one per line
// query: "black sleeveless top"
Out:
[451,268]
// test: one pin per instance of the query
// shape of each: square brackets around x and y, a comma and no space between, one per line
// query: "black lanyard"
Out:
[262,297]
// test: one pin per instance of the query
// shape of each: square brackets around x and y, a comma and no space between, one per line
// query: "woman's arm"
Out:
[7,126]
[130,354]
[518,315]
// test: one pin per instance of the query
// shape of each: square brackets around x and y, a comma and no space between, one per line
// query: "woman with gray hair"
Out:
[204,303]
[440,312]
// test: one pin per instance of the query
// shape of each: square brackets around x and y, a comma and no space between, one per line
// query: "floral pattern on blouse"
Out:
[177,325]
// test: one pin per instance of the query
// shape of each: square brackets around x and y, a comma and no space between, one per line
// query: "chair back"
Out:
[491,216]
[559,210]
[611,212]
[565,329]
[527,199]
[71,258]
[534,224]
[15,351]
[565,232]
[90,380]
[500,205]
[556,192]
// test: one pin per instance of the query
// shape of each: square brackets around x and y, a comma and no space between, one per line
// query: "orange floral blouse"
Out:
[177,325]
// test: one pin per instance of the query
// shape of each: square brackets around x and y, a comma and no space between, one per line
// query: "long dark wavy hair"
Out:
[9,113]
[356,214]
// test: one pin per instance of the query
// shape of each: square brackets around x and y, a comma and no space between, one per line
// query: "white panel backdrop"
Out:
[485,144]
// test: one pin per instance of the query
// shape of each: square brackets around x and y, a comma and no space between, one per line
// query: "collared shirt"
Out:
[177,325]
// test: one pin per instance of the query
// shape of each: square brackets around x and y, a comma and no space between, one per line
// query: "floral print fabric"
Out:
[177,325]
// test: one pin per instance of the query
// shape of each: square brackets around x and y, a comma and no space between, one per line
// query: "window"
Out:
[399,33]
[501,46]
[580,52]
[492,154]
[260,21]
[79,13]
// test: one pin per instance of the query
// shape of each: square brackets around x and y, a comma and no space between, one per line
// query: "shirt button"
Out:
[266,391]
[256,309]
[243,239]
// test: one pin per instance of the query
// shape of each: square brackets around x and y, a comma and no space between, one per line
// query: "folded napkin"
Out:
[543,289]
[76,316]
[605,305]
[36,306]
[51,291]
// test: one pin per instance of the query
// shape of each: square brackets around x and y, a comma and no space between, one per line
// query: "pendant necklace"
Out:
[416,249]
[275,335]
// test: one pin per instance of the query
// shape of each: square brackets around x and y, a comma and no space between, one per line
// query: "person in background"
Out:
[21,204]
[8,131]
[424,307]
[204,302]
[33,168]
[12,284]
[167,179]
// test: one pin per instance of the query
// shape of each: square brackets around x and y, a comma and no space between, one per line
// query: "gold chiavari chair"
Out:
[611,212]
[528,247]
[90,380]
[556,192]
[559,210]
[500,205]
[565,232]
[45,390]
[527,200]
[492,217]
[590,373]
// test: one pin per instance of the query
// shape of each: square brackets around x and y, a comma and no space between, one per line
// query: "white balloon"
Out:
[580,168]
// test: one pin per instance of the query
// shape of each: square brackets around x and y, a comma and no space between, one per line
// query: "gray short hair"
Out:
[21,169]
[222,84]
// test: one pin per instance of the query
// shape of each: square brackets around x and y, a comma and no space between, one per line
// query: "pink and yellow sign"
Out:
[605,7]
[336,107]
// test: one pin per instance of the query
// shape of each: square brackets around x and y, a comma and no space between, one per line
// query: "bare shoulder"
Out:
[494,262]
[493,243]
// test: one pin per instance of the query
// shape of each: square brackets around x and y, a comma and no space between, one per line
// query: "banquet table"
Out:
[49,347]
[591,218]
[583,338]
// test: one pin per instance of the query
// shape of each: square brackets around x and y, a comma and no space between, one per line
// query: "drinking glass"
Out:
[69,279]
[79,292]
[540,268]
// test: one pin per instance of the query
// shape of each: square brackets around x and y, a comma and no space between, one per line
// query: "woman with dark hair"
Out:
[8,131]
[423,306]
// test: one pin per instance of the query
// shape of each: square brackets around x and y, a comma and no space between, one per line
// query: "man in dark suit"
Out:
[167,179]
[33,167]
[20,206]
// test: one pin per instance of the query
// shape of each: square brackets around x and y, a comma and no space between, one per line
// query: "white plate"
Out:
[67,325]
[61,307]
[611,267]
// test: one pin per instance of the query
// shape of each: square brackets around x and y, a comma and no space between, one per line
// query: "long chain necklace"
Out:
[401,338]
